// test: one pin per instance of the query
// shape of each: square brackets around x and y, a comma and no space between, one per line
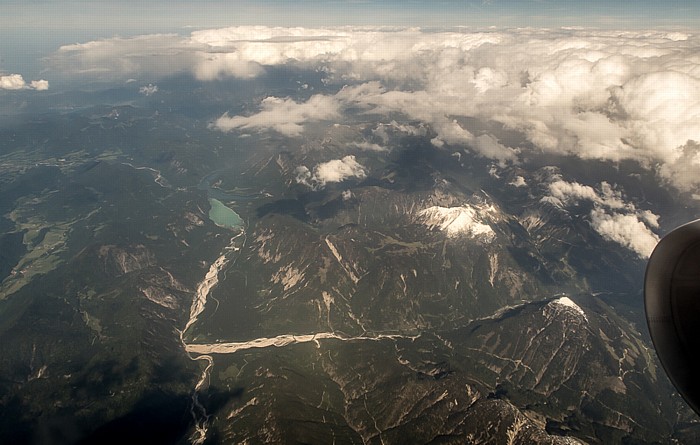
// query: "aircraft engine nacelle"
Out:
[672,303]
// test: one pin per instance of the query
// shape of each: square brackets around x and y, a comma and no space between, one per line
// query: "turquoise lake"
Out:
[223,216]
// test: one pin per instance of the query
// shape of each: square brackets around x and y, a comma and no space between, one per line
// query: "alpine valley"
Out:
[362,281]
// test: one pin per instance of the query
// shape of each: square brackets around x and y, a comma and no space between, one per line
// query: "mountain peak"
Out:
[465,220]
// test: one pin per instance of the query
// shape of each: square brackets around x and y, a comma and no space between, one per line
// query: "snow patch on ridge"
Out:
[459,221]
[569,303]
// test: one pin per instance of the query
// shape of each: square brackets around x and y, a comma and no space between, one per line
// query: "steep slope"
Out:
[527,375]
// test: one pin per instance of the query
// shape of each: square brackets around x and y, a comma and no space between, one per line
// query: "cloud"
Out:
[339,170]
[384,131]
[683,171]
[519,181]
[336,170]
[612,217]
[148,89]
[39,85]
[568,192]
[662,109]
[626,230]
[487,78]
[303,176]
[147,56]
[12,82]
[369,146]
[17,82]
[488,146]
[609,95]
[283,115]
[287,116]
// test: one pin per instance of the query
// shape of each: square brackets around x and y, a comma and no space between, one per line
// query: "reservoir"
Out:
[223,216]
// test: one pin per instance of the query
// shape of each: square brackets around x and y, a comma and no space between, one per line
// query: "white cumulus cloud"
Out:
[683,170]
[519,181]
[336,170]
[39,85]
[282,115]
[17,82]
[369,146]
[12,82]
[612,217]
[148,89]
[626,230]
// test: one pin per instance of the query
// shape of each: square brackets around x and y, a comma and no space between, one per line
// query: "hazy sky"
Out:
[137,16]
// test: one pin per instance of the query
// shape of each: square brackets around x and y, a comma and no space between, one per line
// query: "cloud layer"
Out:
[628,95]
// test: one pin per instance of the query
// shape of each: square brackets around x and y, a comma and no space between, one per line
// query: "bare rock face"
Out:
[120,260]
[575,365]
[499,422]
[543,372]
